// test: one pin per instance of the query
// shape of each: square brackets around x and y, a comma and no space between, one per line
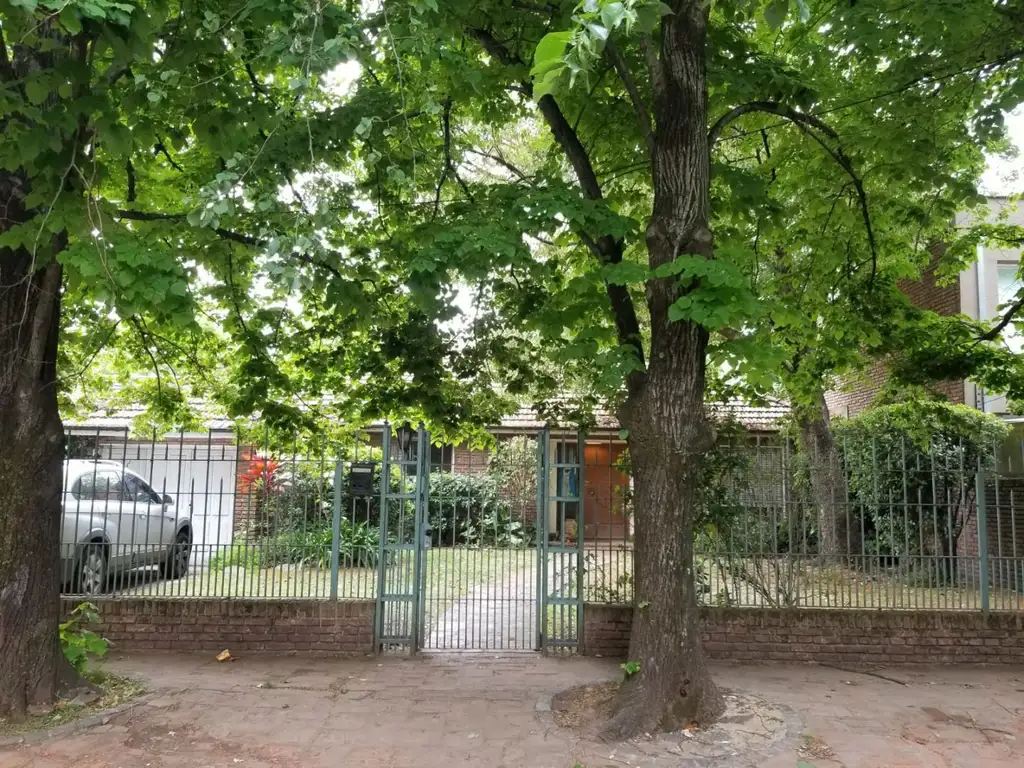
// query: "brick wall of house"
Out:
[831,636]
[242,626]
[859,391]
[470,460]
[246,501]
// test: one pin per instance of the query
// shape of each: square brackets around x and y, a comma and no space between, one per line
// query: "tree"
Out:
[330,235]
[145,154]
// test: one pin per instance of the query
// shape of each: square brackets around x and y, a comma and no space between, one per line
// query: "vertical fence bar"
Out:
[581,457]
[383,554]
[336,528]
[542,539]
[982,520]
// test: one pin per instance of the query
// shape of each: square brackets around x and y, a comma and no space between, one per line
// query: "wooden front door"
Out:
[605,489]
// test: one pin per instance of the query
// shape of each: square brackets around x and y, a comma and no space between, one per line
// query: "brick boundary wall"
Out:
[830,636]
[313,627]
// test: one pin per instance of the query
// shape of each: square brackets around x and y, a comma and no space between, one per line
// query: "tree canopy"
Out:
[409,208]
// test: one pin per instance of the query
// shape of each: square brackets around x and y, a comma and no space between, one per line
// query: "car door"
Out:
[101,488]
[148,512]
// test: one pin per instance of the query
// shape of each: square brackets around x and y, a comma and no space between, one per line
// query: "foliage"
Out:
[497,527]
[285,205]
[513,465]
[476,508]
[457,504]
[358,547]
[629,668]
[77,642]
[911,472]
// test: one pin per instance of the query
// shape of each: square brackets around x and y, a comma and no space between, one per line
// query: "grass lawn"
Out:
[450,574]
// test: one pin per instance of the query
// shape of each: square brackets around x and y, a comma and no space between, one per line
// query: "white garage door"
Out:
[200,478]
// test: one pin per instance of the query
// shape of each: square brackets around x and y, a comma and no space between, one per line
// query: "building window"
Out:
[442,457]
[1009,284]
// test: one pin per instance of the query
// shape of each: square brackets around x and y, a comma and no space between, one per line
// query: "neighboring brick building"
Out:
[986,284]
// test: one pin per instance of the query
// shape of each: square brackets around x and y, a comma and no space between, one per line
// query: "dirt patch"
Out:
[114,691]
[812,746]
[751,729]
[584,708]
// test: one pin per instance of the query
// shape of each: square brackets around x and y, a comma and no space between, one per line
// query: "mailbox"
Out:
[360,479]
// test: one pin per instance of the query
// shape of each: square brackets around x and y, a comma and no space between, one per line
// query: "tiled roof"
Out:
[758,418]
[753,417]
[123,417]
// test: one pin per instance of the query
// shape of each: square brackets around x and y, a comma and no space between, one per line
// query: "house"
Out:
[989,283]
[981,289]
[211,471]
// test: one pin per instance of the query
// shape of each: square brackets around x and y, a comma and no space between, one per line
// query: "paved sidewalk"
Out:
[479,710]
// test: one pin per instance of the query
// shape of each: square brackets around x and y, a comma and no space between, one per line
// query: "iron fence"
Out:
[888,526]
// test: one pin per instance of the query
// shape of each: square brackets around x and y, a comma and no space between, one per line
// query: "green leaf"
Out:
[612,14]
[37,90]
[69,19]
[775,13]
[803,11]
[548,82]
[624,273]
[364,127]
[549,52]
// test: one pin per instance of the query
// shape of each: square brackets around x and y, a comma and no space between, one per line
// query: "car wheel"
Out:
[92,570]
[178,557]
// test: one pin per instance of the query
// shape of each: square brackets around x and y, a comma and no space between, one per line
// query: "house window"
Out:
[1009,284]
[442,457]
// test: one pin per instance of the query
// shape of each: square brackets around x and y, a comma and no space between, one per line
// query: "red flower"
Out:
[259,474]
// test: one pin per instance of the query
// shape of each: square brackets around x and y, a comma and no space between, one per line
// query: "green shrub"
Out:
[458,503]
[358,547]
[79,643]
[911,472]
[497,528]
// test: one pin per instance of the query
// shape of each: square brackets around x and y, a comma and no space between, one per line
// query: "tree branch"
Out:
[608,249]
[227,234]
[497,158]
[1007,318]
[149,353]
[643,117]
[771,107]
[6,71]
[805,123]
[161,149]
[130,170]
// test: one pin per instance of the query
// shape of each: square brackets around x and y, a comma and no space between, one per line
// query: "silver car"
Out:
[114,521]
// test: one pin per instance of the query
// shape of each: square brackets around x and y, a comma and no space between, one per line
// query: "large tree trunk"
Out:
[668,435]
[839,536]
[668,431]
[33,667]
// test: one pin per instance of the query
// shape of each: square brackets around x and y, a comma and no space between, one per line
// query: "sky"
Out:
[1005,176]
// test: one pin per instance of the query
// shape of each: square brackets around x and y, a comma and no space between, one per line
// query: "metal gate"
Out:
[480,550]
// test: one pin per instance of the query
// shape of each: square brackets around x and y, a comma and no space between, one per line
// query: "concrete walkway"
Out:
[498,616]
[479,710]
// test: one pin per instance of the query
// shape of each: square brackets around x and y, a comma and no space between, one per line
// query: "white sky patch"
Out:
[1004,176]
[341,81]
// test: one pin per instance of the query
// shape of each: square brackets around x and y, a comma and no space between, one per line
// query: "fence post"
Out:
[982,521]
[336,529]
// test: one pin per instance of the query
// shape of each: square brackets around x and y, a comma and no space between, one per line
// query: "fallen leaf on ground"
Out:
[225,655]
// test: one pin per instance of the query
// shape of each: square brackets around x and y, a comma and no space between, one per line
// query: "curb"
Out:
[99,718]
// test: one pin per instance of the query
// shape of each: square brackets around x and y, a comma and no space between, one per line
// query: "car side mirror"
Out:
[168,500]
